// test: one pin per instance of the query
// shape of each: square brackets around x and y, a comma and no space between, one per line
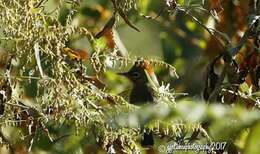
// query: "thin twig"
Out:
[61,137]
[40,3]
[209,30]
[29,77]
[37,57]
[18,105]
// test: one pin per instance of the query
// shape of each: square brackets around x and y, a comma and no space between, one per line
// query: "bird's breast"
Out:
[141,94]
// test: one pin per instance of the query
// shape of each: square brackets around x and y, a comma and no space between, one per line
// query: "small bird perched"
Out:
[143,77]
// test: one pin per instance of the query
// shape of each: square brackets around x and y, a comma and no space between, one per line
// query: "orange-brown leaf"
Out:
[76,54]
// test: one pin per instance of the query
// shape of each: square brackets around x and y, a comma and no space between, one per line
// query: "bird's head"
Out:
[141,73]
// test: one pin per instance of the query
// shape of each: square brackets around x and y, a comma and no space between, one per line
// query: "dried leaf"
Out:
[76,54]
[107,28]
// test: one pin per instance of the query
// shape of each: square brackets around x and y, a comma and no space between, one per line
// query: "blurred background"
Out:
[179,37]
[173,36]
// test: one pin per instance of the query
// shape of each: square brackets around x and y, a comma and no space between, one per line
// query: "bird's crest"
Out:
[149,70]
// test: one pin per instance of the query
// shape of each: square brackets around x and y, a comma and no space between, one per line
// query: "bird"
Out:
[142,76]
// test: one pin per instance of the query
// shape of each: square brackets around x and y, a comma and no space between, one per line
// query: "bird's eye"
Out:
[136,74]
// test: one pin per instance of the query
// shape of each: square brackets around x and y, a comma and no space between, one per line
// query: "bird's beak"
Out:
[152,79]
[126,74]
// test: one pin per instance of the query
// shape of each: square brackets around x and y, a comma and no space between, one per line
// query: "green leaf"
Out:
[143,5]
[253,144]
